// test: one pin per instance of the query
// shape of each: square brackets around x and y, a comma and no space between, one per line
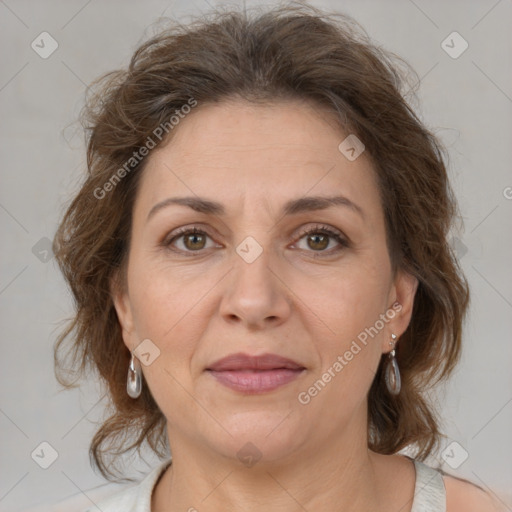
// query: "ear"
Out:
[402,292]
[121,300]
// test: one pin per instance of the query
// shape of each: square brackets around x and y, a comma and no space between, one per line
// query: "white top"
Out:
[429,492]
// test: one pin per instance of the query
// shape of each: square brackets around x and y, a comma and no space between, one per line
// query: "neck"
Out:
[338,475]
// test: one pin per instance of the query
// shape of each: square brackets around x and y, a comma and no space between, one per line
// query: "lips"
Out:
[239,362]
[252,375]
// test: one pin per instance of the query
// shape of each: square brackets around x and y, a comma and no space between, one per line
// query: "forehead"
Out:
[261,153]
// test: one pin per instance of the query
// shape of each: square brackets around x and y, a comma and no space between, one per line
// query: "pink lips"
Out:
[255,374]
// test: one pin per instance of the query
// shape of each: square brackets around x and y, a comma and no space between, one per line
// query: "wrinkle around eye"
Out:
[178,236]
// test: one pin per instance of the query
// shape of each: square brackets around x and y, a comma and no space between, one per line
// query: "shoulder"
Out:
[136,498]
[464,496]
[121,500]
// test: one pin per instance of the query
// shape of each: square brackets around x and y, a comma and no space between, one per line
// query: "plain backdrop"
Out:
[466,101]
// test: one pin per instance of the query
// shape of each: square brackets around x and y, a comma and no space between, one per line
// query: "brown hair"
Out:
[293,52]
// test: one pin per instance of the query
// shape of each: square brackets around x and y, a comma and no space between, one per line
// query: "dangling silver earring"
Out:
[392,372]
[134,381]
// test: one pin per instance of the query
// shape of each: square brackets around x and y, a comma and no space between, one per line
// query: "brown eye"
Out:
[188,240]
[318,241]
[319,238]
[194,241]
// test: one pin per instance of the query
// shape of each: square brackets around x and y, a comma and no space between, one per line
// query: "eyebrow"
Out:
[292,207]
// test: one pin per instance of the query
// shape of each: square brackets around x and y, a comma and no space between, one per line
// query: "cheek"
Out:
[349,335]
[164,313]
[170,309]
[160,296]
[351,300]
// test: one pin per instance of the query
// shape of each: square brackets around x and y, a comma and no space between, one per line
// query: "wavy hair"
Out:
[295,52]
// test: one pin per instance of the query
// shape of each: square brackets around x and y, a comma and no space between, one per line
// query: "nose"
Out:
[255,294]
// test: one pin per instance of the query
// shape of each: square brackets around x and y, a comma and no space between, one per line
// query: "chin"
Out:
[267,436]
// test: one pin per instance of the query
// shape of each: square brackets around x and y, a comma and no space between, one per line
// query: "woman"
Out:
[261,272]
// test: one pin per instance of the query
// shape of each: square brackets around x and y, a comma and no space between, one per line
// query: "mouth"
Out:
[255,374]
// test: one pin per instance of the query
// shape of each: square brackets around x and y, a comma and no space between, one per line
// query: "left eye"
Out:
[319,239]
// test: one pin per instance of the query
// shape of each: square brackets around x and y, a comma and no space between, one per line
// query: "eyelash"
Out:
[320,229]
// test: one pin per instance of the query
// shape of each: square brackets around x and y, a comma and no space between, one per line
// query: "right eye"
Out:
[192,240]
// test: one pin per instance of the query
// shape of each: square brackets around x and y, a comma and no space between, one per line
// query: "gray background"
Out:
[467,101]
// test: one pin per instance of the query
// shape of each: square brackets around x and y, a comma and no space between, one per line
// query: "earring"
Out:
[134,381]
[392,372]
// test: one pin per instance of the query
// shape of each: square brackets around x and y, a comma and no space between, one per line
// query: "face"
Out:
[264,272]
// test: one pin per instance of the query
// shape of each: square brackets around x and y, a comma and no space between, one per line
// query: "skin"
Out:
[212,303]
